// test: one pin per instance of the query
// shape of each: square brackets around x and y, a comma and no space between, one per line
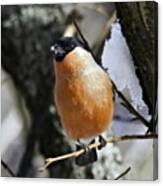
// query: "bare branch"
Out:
[123,173]
[113,139]
[7,168]
[83,39]
[132,109]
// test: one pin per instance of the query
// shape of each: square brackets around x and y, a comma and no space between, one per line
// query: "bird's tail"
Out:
[88,157]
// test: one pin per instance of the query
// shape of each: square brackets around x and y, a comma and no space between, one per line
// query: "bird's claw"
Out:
[102,141]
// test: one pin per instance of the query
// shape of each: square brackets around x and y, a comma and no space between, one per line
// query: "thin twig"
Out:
[7,168]
[113,139]
[70,31]
[130,107]
[86,44]
[123,173]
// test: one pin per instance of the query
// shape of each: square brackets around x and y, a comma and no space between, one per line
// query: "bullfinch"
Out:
[83,94]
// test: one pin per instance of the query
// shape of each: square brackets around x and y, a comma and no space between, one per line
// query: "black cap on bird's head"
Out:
[63,46]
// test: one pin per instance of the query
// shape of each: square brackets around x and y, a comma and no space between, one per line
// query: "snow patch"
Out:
[117,59]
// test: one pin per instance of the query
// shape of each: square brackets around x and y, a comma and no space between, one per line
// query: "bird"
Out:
[83,95]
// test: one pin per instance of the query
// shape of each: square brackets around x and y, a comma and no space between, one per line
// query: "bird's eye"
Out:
[72,45]
[55,47]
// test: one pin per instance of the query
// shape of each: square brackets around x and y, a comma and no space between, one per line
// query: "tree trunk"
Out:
[139,26]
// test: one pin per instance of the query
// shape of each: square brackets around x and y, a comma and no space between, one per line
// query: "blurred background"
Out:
[123,39]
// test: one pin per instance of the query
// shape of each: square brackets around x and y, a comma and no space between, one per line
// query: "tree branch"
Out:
[83,38]
[113,139]
[132,109]
[123,173]
[7,168]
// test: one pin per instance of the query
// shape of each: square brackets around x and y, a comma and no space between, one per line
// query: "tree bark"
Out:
[139,26]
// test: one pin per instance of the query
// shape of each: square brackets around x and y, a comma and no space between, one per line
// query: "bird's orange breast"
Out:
[83,96]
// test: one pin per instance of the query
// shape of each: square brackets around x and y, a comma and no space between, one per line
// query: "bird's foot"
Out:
[103,142]
[84,146]
[89,156]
